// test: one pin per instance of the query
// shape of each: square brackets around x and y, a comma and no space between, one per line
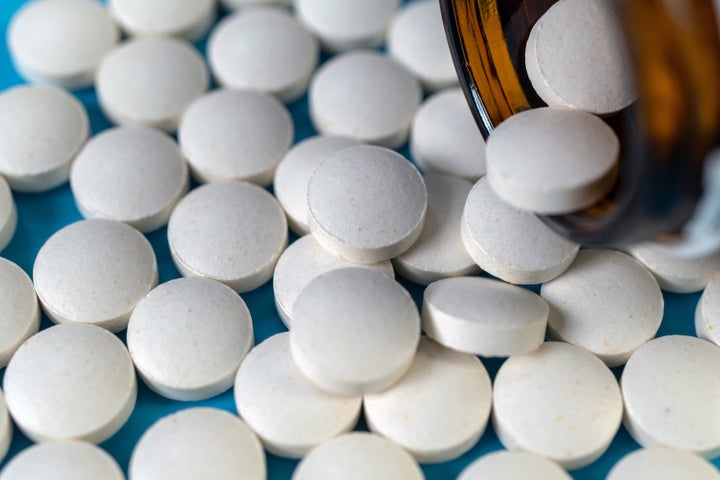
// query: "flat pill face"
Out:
[8,214]
[513,466]
[662,463]
[5,427]
[707,312]
[188,19]
[19,309]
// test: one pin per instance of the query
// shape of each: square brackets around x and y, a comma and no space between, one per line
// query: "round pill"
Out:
[62,460]
[506,465]
[439,251]
[43,130]
[188,19]
[558,401]
[188,336]
[510,244]
[71,382]
[6,428]
[61,41]
[707,312]
[235,135]
[198,443]
[662,463]
[132,174]
[357,209]
[238,4]
[303,261]
[149,82]
[349,24]
[364,95]
[293,175]
[606,302]
[445,138]
[358,456]
[19,309]
[454,386]
[483,316]
[95,272]
[354,331]
[263,49]
[288,413]
[416,38]
[576,56]
[670,386]
[8,214]
[524,173]
[231,232]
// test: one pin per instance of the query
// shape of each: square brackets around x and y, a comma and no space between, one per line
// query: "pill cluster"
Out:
[272,175]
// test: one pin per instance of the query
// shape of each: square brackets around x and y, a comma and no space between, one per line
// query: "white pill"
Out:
[525,173]
[349,24]
[445,138]
[19,309]
[61,41]
[707,312]
[293,175]
[606,302]
[8,214]
[94,272]
[62,460]
[188,19]
[303,261]
[231,135]
[149,82]
[358,456]
[71,382]
[198,443]
[132,174]
[506,465]
[6,428]
[364,95]
[559,401]
[231,232]
[263,49]
[43,130]
[366,204]
[188,336]
[288,413]
[454,386]
[354,331]
[670,386]
[439,251]
[416,39]
[662,463]
[238,4]
[511,244]
[576,56]
[483,316]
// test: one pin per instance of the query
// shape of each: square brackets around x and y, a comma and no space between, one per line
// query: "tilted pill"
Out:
[707,312]
[188,19]
[8,214]
[6,428]
[19,309]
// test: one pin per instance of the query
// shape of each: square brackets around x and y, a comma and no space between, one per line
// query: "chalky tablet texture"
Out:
[231,135]
[366,204]
[511,244]
[506,465]
[61,41]
[198,443]
[263,49]
[288,413]
[63,460]
[354,331]
[358,456]
[559,401]
[454,386]
[149,82]
[188,19]
[577,57]
[364,95]
[132,174]
[662,463]
[71,382]
[5,428]
[671,387]
[8,214]
[525,173]
[231,232]
[94,272]
[483,316]
[188,336]
[19,309]
[707,312]
[43,128]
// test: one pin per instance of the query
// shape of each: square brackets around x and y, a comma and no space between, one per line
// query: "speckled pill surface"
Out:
[8,214]
[707,312]
[662,463]
[188,336]
[71,382]
[188,19]
[505,465]
[19,309]
[6,428]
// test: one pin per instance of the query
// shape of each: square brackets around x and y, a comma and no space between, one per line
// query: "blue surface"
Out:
[40,215]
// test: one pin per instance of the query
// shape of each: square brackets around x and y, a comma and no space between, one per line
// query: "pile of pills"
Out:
[292,221]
